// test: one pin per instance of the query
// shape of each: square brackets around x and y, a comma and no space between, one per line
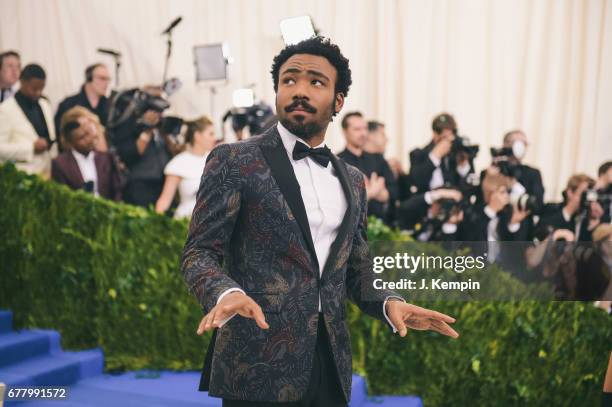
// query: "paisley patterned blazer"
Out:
[250,230]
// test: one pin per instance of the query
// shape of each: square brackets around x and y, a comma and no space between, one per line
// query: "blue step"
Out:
[359,391]
[21,345]
[6,321]
[59,369]
[392,401]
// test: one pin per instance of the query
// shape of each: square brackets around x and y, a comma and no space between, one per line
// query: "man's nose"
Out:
[300,92]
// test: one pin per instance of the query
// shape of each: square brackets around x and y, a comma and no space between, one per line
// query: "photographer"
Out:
[580,211]
[445,161]
[433,215]
[496,219]
[525,180]
[92,95]
[142,146]
[604,189]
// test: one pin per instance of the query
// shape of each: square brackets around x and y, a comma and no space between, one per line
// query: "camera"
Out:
[448,208]
[133,103]
[462,144]
[501,159]
[527,202]
[255,117]
[592,195]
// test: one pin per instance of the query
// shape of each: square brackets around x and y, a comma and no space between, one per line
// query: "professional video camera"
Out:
[131,104]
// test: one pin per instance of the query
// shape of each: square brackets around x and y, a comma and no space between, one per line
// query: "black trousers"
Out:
[324,389]
[142,193]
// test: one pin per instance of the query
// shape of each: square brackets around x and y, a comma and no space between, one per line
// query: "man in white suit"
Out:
[10,67]
[27,133]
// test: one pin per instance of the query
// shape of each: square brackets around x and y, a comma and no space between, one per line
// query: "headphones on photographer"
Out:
[89,72]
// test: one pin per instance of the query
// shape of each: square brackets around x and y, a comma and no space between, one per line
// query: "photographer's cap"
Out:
[442,122]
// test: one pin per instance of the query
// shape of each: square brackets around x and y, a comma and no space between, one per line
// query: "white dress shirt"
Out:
[437,178]
[7,93]
[324,201]
[492,235]
[87,166]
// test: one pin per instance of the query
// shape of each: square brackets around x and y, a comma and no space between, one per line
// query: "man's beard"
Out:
[306,131]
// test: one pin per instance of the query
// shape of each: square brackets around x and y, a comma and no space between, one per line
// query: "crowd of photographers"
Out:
[500,210]
[123,148]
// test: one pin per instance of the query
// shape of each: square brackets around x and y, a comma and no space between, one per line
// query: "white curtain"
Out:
[544,66]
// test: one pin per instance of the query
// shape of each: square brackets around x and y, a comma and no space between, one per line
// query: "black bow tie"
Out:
[320,155]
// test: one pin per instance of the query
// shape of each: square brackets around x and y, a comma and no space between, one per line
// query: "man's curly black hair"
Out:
[320,46]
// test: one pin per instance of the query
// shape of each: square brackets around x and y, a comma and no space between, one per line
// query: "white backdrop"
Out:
[541,65]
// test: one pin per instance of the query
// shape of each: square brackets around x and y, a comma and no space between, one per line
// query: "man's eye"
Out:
[317,82]
[288,81]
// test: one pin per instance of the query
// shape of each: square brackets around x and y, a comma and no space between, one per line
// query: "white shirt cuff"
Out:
[385,311]
[514,227]
[428,198]
[517,190]
[463,169]
[223,294]
[435,160]
[449,228]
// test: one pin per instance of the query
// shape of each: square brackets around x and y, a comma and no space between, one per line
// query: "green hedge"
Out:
[107,274]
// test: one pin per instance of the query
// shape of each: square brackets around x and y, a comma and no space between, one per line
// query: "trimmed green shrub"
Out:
[107,274]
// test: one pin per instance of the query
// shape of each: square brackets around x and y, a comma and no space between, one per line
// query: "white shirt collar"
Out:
[79,156]
[289,139]
[490,212]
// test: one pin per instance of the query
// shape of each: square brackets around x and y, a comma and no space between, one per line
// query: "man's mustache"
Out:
[303,104]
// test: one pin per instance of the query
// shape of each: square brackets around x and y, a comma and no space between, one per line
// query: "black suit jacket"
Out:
[369,163]
[80,99]
[422,168]
[250,230]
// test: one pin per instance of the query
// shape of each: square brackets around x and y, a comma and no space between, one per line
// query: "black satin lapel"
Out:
[342,174]
[282,171]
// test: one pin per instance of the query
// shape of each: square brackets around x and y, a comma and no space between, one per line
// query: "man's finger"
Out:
[209,319]
[202,326]
[259,317]
[444,329]
[438,315]
[398,321]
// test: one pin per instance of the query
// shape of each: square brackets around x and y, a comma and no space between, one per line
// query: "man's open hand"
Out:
[232,303]
[404,316]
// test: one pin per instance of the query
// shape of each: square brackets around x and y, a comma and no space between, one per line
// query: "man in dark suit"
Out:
[81,167]
[437,164]
[526,179]
[278,235]
[92,95]
[576,214]
[603,185]
[380,182]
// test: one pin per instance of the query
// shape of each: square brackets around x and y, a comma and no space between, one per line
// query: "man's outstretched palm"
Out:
[404,316]
[233,303]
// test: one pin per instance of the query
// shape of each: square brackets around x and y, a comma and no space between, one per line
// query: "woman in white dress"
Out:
[184,171]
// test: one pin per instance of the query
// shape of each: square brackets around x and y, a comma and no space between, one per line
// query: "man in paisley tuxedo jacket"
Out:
[278,237]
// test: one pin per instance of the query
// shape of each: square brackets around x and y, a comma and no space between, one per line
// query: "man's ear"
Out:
[339,102]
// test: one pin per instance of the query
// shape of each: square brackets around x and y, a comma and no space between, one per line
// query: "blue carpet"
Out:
[35,358]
